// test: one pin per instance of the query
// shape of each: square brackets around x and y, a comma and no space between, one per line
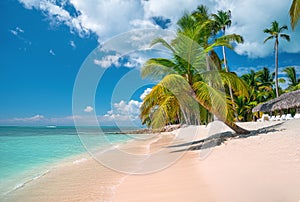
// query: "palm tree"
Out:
[221,21]
[275,33]
[295,13]
[187,79]
[207,38]
[292,77]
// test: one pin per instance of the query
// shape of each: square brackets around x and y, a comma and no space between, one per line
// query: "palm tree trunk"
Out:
[207,62]
[230,89]
[236,128]
[227,70]
[225,59]
[214,118]
[218,116]
[276,67]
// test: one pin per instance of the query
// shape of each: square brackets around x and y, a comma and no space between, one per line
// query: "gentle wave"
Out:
[78,161]
[22,184]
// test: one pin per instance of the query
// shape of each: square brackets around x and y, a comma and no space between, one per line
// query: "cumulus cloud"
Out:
[250,18]
[123,112]
[135,60]
[89,109]
[108,60]
[130,108]
[145,93]
[57,13]
[109,18]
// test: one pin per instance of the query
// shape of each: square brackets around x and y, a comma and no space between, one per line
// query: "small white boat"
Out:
[51,126]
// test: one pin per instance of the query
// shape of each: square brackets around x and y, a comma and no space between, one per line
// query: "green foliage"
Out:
[292,78]
[188,90]
[294,13]
[192,85]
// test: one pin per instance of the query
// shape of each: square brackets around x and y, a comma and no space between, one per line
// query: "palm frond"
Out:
[285,36]
[183,92]
[232,38]
[219,79]
[189,53]
[162,42]
[292,76]
[295,13]
[214,100]
[268,38]
[237,84]
[157,68]
[268,31]
[218,42]
[284,27]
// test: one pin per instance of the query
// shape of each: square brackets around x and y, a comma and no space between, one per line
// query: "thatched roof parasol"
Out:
[285,101]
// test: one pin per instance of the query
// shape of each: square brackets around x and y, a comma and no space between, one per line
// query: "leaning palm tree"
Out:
[295,13]
[275,33]
[187,79]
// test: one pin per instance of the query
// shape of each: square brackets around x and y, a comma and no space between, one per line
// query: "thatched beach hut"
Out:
[289,100]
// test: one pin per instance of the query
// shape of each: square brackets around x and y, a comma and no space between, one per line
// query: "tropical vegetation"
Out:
[196,86]
[295,13]
[294,81]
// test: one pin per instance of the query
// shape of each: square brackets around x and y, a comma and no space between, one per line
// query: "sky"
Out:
[44,45]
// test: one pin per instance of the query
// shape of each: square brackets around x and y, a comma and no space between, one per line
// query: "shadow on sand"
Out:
[219,138]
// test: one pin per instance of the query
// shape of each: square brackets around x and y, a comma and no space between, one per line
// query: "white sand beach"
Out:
[264,166]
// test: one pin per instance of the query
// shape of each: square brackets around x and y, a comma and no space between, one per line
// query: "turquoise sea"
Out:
[26,153]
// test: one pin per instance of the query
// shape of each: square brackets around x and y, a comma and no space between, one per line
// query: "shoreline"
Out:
[228,172]
[41,170]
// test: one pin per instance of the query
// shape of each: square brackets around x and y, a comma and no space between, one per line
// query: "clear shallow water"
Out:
[27,153]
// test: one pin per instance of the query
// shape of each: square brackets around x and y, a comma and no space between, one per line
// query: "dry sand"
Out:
[262,167]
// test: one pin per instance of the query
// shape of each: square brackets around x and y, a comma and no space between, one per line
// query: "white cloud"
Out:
[168,9]
[17,31]
[250,18]
[108,18]
[135,60]
[14,32]
[88,109]
[72,43]
[108,60]
[42,120]
[130,108]
[123,112]
[145,93]
[57,14]
[52,52]
[37,117]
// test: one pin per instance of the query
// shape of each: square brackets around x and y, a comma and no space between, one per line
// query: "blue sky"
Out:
[43,45]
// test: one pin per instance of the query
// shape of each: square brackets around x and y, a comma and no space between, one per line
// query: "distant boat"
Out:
[51,126]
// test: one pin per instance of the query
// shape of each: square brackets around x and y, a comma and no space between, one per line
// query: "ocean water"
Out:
[27,153]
